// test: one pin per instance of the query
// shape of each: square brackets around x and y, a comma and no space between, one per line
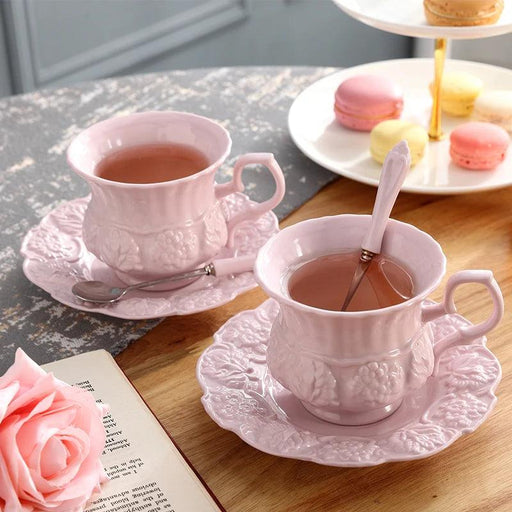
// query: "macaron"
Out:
[477,145]
[495,107]
[460,13]
[388,133]
[459,91]
[363,101]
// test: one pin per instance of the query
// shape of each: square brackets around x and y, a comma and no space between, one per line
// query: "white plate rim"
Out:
[502,26]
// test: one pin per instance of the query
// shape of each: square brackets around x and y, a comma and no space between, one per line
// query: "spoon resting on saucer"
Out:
[99,292]
[394,170]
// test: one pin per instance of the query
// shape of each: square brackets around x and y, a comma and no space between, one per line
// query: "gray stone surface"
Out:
[35,130]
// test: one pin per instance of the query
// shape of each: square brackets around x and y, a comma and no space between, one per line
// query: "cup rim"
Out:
[150,113]
[282,298]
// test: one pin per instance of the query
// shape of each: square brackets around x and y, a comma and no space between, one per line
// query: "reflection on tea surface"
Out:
[324,282]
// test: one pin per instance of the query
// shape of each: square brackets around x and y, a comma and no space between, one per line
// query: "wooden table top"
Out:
[473,474]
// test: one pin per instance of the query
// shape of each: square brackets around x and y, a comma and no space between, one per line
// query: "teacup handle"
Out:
[465,333]
[236,185]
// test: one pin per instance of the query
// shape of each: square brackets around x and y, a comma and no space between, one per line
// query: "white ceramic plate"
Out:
[315,131]
[406,17]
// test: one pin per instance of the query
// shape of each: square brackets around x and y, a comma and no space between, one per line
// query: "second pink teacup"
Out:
[147,231]
[354,368]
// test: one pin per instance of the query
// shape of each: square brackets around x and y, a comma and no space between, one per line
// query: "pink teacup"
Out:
[151,230]
[354,368]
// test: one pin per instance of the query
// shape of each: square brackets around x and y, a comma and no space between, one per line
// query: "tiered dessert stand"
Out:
[317,134]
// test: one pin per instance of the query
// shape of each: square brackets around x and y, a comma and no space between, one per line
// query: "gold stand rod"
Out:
[435,130]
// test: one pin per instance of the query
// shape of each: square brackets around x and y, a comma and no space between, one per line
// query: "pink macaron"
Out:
[363,101]
[478,145]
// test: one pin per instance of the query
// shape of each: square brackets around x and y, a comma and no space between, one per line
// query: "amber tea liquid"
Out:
[151,163]
[324,282]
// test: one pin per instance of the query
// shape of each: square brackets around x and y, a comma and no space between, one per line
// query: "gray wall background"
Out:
[47,43]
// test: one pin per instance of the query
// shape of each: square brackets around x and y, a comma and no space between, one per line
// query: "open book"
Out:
[147,471]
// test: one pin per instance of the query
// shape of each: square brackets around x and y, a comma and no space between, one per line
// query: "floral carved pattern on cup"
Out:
[377,383]
[118,249]
[312,381]
[422,362]
[216,232]
[175,248]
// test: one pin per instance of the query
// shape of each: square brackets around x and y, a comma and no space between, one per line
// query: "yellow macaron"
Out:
[388,133]
[459,91]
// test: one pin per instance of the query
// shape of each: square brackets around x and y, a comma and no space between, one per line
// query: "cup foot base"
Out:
[353,418]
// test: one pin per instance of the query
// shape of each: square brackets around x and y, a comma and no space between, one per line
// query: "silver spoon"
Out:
[394,170]
[99,292]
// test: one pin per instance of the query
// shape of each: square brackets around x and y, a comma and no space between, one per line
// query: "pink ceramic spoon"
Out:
[394,170]
[99,292]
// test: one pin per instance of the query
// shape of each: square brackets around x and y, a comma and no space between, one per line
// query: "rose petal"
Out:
[87,479]
[76,443]
[6,396]
[36,430]
[23,370]
[54,457]
[14,463]
[58,431]
[7,490]
[43,387]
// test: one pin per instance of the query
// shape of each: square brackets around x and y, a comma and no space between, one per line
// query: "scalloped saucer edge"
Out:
[240,395]
[55,258]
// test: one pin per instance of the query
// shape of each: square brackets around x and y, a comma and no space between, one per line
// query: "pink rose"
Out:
[51,438]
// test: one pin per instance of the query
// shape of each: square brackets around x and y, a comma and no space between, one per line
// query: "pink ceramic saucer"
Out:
[240,395]
[56,258]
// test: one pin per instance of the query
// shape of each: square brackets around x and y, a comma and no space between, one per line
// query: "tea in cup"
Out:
[355,367]
[155,209]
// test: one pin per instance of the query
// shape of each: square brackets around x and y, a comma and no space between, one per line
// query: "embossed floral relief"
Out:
[308,379]
[175,249]
[236,404]
[417,439]
[422,360]
[216,232]
[70,218]
[350,450]
[472,369]
[118,249]
[230,365]
[53,245]
[458,411]
[377,383]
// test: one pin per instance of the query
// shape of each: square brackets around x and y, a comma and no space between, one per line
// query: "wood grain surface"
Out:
[474,474]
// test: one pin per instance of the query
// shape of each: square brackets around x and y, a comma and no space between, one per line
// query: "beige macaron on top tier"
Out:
[460,13]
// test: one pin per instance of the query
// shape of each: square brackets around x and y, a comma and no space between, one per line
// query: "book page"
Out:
[147,472]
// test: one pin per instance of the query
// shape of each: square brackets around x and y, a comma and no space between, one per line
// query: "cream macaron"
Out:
[459,91]
[495,107]
[460,13]
[388,133]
